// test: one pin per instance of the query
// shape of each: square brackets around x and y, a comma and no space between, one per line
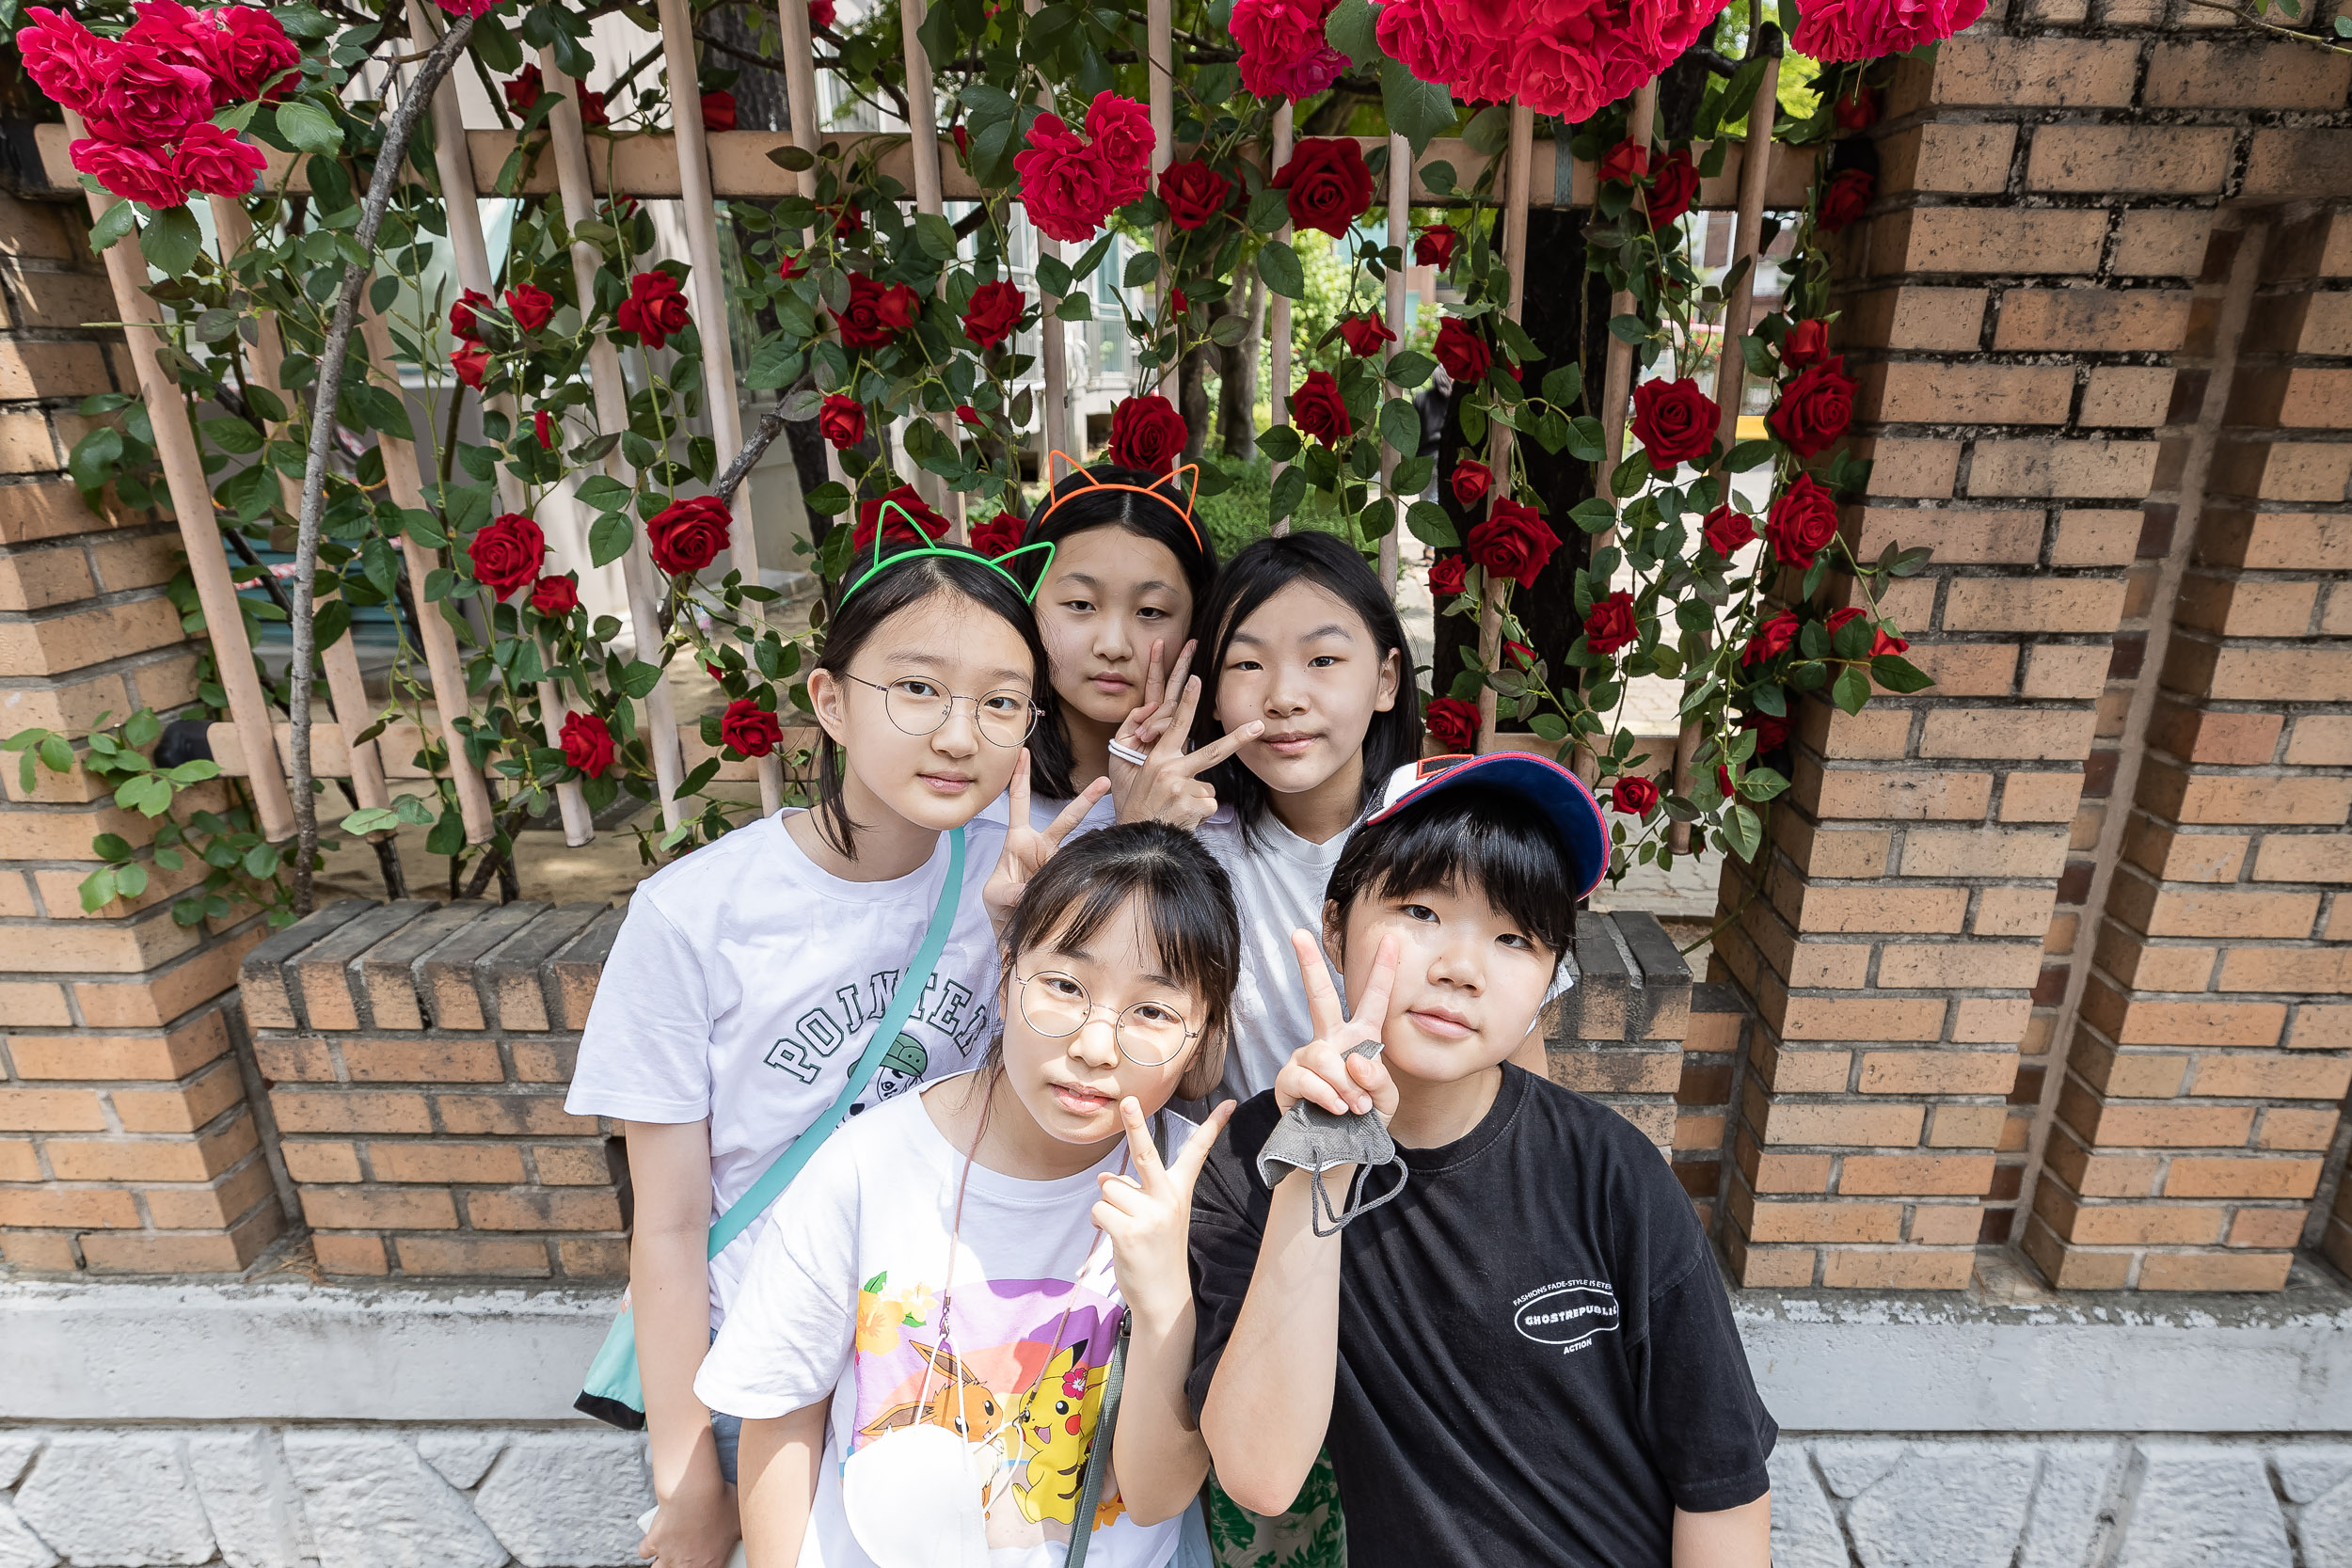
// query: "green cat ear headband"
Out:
[953,552]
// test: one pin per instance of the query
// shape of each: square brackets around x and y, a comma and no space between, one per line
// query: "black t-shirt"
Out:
[1537,1362]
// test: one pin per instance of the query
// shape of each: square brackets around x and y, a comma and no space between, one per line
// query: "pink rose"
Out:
[130,172]
[1415,33]
[1283,52]
[1063,185]
[216,162]
[172,31]
[250,52]
[1865,29]
[66,60]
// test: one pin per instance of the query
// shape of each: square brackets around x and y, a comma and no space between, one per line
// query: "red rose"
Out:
[1773,639]
[870,517]
[1511,543]
[1283,51]
[471,363]
[1518,655]
[688,535]
[820,15]
[1064,187]
[994,311]
[1433,247]
[1815,408]
[1611,623]
[130,172]
[748,730]
[899,307]
[587,743]
[533,309]
[1856,111]
[1124,139]
[655,308]
[868,323]
[1633,795]
[66,60]
[217,162]
[506,552]
[1676,187]
[592,115]
[1770,734]
[146,99]
[555,596]
[1807,342]
[1327,183]
[1147,433]
[1452,723]
[1449,575]
[1470,481]
[523,90]
[997,536]
[1723,782]
[969,415]
[1675,422]
[1195,193]
[1317,410]
[1804,518]
[792,264]
[718,111]
[462,321]
[1178,303]
[1726,529]
[850,222]
[1885,642]
[1462,351]
[1623,164]
[1848,196]
[963,143]
[841,420]
[1364,335]
[543,426]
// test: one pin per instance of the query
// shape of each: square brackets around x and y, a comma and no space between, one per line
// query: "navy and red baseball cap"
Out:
[1550,788]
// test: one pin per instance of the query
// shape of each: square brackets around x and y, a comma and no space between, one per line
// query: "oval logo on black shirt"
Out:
[1568,1313]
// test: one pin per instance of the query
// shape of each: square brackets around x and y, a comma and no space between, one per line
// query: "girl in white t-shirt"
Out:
[746,980]
[920,1348]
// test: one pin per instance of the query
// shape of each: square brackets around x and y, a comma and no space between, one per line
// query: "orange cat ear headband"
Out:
[1192,492]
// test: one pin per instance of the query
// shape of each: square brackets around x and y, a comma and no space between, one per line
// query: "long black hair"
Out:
[1091,505]
[905,579]
[1256,574]
[1186,901]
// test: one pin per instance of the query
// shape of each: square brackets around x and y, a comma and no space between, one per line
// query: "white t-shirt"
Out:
[844,1299]
[745,984]
[1279,882]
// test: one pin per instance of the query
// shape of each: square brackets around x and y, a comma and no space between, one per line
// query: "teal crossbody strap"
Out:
[753,1203]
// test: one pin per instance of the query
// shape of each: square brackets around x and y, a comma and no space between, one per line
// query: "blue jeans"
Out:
[728,1430]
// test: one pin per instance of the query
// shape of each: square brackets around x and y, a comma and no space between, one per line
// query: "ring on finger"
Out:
[1127,754]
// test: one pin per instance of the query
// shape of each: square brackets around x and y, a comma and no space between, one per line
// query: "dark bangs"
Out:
[1186,900]
[1084,503]
[1464,838]
[1259,571]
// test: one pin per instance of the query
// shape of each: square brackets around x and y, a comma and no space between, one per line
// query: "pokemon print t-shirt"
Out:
[847,1297]
[745,984]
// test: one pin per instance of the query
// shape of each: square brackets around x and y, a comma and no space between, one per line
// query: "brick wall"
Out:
[2014,305]
[1617,1036]
[417,1056]
[2214,1040]
[126,1140]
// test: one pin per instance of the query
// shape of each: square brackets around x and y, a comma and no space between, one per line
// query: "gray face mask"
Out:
[1312,1139]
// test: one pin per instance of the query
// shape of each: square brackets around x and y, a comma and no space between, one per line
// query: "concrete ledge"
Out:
[1985,1362]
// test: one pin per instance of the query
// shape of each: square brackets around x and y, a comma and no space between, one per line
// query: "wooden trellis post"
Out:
[1159,55]
[710,310]
[1278,308]
[192,504]
[612,398]
[1400,236]
[1520,174]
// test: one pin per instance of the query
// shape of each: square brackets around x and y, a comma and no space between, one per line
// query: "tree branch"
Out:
[398,128]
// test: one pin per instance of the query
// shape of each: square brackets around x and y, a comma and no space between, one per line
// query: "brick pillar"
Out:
[2215,1038]
[418,1055]
[2046,190]
[126,1142]
[1617,1036]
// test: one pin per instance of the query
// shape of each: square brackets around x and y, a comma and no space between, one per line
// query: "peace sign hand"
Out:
[1149,1216]
[1340,1069]
[1026,847]
[1168,786]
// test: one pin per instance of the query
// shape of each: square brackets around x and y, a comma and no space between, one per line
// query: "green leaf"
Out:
[1410,368]
[171,241]
[328,625]
[117,221]
[1631,475]
[1489,131]
[1629,329]
[379,819]
[1852,691]
[1290,488]
[1745,830]
[1350,30]
[1761,783]
[603,493]
[609,538]
[1563,386]
[829,500]
[1898,674]
[1438,177]
[1277,264]
[936,235]
[1748,454]
[1143,267]
[311,129]
[380,566]
[640,678]
[1431,526]
[1415,109]
[1400,426]
[1281,443]
[774,363]
[94,457]
[1268,211]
